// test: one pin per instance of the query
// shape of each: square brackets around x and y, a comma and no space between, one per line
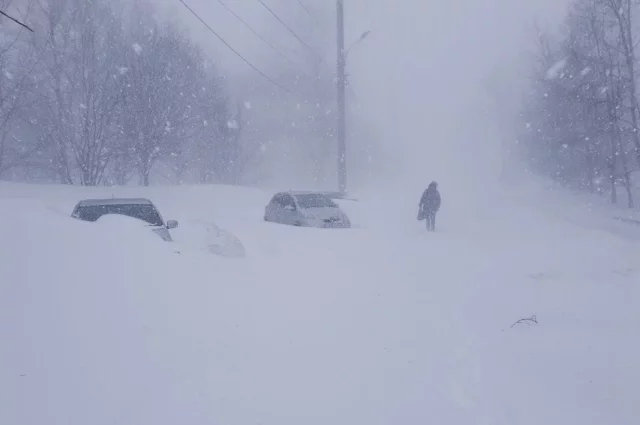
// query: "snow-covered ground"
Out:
[103,323]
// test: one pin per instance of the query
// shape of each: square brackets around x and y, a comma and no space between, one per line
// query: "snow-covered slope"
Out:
[103,323]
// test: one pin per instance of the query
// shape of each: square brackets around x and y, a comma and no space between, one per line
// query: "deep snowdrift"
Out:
[103,323]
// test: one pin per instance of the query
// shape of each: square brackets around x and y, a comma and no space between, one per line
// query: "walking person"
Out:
[429,206]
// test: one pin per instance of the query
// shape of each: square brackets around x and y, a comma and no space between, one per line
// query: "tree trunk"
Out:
[591,174]
[614,194]
[88,177]
[612,163]
[144,176]
[627,186]
[628,47]
[144,168]
[625,169]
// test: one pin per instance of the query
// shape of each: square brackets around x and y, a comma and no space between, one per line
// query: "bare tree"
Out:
[17,63]
[623,12]
[582,118]
[164,80]
[96,96]
[82,90]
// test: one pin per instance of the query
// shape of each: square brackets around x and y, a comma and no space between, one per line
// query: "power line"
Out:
[232,49]
[256,33]
[304,7]
[289,29]
[16,21]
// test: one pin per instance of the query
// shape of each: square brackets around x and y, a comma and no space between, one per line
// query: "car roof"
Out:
[303,192]
[114,201]
[329,194]
[309,192]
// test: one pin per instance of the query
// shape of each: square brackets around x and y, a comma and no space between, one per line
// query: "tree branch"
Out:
[527,320]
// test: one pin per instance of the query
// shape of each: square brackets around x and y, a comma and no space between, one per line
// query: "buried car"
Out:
[308,209]
[140,208]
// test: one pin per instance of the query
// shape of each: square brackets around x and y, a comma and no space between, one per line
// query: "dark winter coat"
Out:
[430,201]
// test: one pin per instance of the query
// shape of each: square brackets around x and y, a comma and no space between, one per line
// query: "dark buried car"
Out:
[139,208]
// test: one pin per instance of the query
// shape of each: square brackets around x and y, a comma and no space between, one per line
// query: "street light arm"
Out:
[362,37]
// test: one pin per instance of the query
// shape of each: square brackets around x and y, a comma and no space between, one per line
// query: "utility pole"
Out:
[342,147]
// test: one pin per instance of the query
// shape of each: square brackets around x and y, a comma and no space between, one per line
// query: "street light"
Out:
[362,37]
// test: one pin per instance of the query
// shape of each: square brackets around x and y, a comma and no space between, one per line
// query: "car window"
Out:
[287,200]
[278,200]
[282,200]
[145,212]
[313,200]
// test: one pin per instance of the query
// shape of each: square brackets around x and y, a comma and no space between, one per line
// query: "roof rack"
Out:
[115,201]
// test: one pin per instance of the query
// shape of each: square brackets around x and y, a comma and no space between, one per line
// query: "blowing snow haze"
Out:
[417,84]
[506,294]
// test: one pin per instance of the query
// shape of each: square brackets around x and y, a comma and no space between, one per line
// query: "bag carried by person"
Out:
[421,214]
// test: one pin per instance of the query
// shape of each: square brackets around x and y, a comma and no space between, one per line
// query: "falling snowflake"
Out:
[123,70]
[137,48]
[247,105]
[232,124]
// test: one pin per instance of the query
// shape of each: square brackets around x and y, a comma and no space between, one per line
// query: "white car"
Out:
[307,209]
[140,208]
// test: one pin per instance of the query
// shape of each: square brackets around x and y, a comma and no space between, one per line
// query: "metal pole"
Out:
[342,147]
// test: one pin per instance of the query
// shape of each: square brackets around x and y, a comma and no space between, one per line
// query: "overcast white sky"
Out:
[418,72]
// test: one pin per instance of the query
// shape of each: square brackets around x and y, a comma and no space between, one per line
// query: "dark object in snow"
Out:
[429,205]
[141,209]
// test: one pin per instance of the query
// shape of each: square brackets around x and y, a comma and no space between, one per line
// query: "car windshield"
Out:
[313,200]
[146,212]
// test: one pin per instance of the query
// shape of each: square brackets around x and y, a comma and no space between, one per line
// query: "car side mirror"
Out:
[172,224]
